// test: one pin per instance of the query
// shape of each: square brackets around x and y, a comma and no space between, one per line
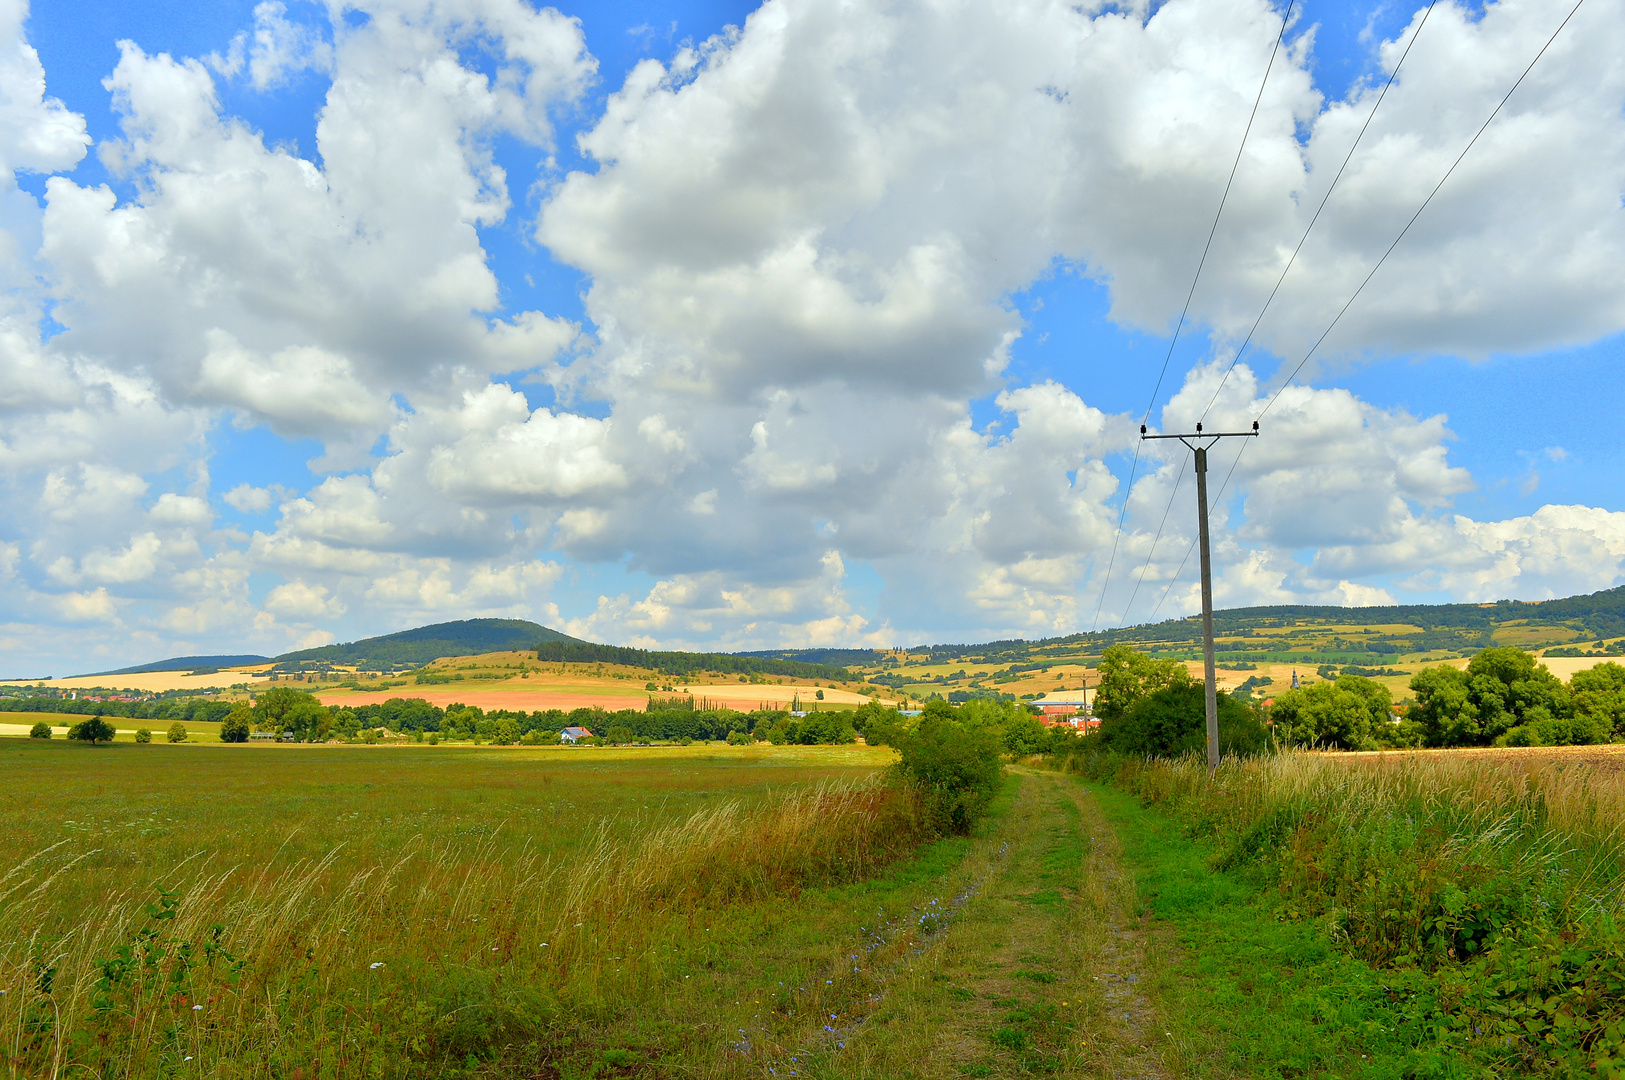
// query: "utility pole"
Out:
[1199,442]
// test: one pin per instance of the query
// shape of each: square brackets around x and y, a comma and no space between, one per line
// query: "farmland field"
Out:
[281,911]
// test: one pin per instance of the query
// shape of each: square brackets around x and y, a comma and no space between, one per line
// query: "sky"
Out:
[814,323]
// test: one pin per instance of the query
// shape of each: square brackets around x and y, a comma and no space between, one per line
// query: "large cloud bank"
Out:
[801,238]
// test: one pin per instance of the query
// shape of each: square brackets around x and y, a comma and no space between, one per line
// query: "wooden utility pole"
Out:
[1199,442]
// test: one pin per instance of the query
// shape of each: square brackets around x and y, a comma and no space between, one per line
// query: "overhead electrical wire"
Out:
[1482,127]
[1179,478]
[1156,391]
[1323,201]
[1390,250]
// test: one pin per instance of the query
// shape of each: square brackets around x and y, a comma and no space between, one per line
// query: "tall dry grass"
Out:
[298,968]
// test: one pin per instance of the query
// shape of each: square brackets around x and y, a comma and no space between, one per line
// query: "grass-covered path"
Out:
[1046,968]
[1096,942]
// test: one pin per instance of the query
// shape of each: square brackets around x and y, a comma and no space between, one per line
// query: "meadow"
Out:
[230,911]
[403,911]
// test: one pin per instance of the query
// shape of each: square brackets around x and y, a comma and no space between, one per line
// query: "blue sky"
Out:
[757,351]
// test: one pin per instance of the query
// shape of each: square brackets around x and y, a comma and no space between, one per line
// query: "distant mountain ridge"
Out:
[1600,614]
[465,637]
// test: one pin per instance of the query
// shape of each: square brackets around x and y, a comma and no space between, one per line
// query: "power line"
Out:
[1157,390]
[1423,207]
[1425,202]
[1178,480]
[1324,199]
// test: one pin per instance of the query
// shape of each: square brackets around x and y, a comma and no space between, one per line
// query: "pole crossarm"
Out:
[1210,678]
[1210,436]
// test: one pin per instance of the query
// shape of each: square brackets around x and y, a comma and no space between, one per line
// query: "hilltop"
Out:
[425,644]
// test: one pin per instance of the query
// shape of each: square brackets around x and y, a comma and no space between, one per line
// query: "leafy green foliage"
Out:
[237,724]
[1126,676]
[1506,698]
[177,732]
[1353,713]
[1173,721]
[92,729]
[41,730]
[283,708]
[570,651]
[955,765]
[143,735]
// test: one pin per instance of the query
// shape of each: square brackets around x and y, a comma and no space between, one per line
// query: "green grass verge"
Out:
[1268,998]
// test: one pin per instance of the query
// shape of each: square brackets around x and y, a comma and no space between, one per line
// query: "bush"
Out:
[434,738]
[956,767]
[92,729]
[177,732]
[143,735]
[41,730]
[739,738]
[1173,721]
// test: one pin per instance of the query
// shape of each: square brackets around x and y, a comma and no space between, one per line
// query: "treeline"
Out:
[685,663]
[283,710]
[1505,697]
[184,708]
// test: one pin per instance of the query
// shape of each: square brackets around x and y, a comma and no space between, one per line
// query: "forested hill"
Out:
[410,648]
[1599,615]
[684,664]
[190,663]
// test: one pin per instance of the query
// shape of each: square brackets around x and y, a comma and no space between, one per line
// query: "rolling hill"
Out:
[411,648]
[189,663]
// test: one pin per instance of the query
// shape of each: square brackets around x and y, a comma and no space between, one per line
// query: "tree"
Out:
[41,730]
[177,732]
[237,724]
[1599,698]
[1444,707]
[1025,734]
[871,711]
[1503,697]
[92,729]
[619,734]
[1173,721]
[143,735]
[1126,676]
[1348,714]
[283,708]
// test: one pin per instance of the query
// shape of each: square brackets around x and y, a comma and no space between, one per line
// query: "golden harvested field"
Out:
[1605,759]
[158,682]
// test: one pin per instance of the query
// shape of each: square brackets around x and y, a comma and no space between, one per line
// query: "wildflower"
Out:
[196,1008]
